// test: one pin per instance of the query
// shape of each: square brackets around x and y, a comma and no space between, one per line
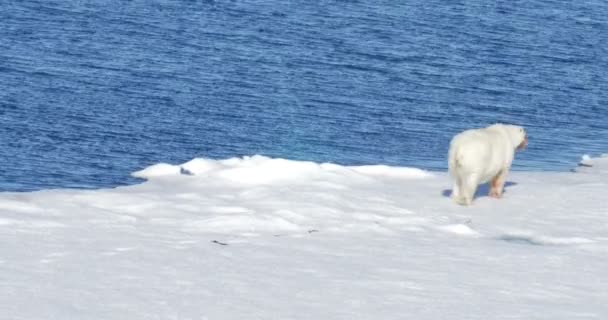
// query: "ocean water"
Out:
[91,91]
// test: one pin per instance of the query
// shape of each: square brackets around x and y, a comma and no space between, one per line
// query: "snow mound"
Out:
[590,164]
[382,170]
[460,229]
[265,170]
[533,239]
[157,170]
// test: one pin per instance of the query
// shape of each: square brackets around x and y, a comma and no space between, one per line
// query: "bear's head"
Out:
[518,136]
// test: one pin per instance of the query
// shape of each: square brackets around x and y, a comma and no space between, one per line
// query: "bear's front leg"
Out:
[497,184]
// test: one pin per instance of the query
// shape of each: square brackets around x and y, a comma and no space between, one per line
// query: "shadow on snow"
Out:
[482,190]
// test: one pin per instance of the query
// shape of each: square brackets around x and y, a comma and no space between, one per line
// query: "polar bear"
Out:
[477,156]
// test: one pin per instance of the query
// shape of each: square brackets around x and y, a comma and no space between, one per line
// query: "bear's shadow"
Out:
[482,190]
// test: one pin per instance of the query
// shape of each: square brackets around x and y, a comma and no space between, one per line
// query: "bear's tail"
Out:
[455,159]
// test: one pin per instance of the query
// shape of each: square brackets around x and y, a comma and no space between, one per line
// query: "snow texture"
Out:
[264,238]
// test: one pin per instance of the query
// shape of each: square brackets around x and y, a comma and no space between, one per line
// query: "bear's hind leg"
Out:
[468,189]
[457,191]
[464,189]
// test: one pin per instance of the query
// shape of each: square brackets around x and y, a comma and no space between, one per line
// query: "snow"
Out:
[265,238]
[594,165]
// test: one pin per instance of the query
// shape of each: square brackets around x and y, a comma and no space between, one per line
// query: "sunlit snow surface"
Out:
[264,238]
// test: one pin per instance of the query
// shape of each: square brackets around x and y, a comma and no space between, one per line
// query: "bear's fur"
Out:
[477,156]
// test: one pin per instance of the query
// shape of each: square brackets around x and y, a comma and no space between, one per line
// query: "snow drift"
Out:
[264,238]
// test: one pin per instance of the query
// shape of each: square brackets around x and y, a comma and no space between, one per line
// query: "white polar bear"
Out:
[477,156]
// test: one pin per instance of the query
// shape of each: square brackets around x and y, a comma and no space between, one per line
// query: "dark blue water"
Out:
[91,91]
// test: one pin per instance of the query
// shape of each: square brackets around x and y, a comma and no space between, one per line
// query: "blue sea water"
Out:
[91,91]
